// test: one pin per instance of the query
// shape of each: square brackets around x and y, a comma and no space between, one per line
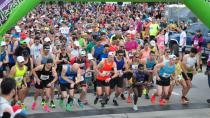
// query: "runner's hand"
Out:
[107,80]
[38,81]
[72,85]
[158,78]
[49,85]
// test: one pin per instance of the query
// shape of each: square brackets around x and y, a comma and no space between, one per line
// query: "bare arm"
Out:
[63,75]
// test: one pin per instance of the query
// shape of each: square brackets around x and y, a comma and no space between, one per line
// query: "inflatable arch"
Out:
[19,8]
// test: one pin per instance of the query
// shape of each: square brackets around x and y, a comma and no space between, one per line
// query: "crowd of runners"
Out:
[104,47]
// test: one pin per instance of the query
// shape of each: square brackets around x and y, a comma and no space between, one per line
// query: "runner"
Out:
[208,68]
[104,70]
[188,63]
[46,76]
[8,91]
[139,79]
[117,84]
[3,60]
[18,72]
[70,77]
[163,79]
[150,64]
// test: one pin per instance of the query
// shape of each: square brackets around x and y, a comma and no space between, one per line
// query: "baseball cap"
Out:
[141,66]
[20,59]
[49,60]
[17,28]
[23,42]
[3,43]
[172,57]
[76,43]
[90,56]
[46,47]
[111,53]
[152,43]
[47,39]
[82,53]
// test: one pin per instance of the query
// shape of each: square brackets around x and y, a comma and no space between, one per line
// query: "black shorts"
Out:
[1,74]
[183,49]
[190,75]
[163,81]
[65,87]
[139,89]
[101,83]
[118,81]
[43,84]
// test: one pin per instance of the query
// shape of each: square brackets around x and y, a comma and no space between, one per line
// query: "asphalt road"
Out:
[198,108]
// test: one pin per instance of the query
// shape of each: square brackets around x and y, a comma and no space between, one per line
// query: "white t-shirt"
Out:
[4,104]
[75,53]
[64,30]
[191,61]
[183,37]
[36,51]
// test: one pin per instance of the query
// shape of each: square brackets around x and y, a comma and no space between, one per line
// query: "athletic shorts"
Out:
[101,83]
[118,81]
[163,81]
[190,75]
[139,88]
[43,84]
[65,87]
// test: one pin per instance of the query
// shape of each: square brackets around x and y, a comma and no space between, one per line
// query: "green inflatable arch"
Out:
[201,8]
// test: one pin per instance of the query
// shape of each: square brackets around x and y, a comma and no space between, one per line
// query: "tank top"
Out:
[106,70]
[81,63]
[2,57]
[120,64]
[11,59]
[167,70]
[98,51]
[139,76]
[28,64]
[150,64]
[44,58]
[19,74]
[145,54]
[46,75]
[69,74]
[62,63]
[191,61]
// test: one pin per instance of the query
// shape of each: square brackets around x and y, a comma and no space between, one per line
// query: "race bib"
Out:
[120,72]
[88,74]
[166,75]
[81,79]
[134,67]
[19,79]
[106,73]
[179,77]
[44,77]
[71,78]
[195,42]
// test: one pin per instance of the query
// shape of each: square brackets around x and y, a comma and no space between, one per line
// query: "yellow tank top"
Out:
[19,74]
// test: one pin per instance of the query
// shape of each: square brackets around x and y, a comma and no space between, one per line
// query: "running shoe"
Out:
[135,108]
[61,103]
[153,99]
[33,106]
[52,104]
[85,102]
[129,100]
[43,102]
[81,105]
[103,102]
[96,100]
[122,96]
[46,108]
[147,96]
[161,102]
[115,103]
[107,100]
[186,99]
[69,106]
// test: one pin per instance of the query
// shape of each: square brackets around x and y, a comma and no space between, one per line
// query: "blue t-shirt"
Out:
[167,70]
